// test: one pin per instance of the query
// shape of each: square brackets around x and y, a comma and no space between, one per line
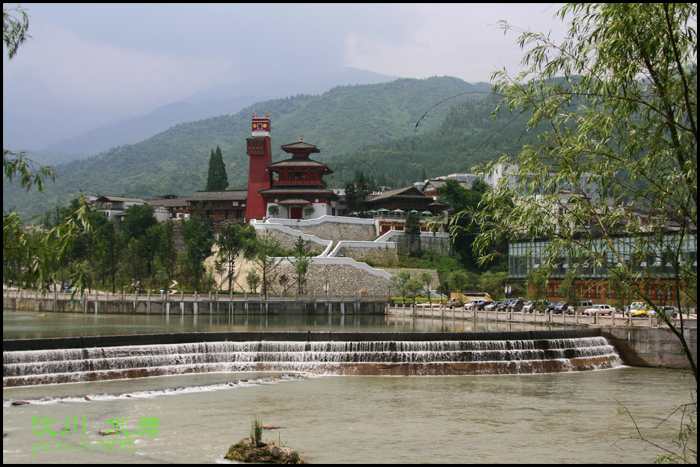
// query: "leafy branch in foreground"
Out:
[611,184]
[30,251]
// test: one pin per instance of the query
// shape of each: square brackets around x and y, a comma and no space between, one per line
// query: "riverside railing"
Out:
[100,295]
[439,310]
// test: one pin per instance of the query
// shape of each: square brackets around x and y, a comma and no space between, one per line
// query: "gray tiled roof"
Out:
[299,163]
[219,195]
[170,203]
[397,192]
[119,198]
[300,146]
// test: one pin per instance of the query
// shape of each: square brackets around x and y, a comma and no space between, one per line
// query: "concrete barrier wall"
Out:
[656,347]
[284,336]
[200,307]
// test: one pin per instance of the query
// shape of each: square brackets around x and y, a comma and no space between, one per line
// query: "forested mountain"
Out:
[175,161]
[468,136]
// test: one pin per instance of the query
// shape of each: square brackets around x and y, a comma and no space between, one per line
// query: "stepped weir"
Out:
[81,359]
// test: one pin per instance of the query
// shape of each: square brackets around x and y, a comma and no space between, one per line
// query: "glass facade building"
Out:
[656,267]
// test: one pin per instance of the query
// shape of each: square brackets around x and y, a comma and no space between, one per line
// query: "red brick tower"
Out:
[260,152]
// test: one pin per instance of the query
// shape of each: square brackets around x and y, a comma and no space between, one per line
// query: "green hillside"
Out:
[339,121]
[468,136]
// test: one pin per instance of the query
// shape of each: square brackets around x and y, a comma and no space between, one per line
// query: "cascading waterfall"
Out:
[440,357]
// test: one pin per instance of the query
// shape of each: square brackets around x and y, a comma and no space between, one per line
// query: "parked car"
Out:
[503,305]
[643,310]
[634,306]
[484,304]
[560,307]
[475,303]
[454,303]
[550,307]
[516,304]
[601,309]
[529,307]
[670,311]
[492,306]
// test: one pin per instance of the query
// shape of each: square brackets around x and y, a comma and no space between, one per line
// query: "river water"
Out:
[561,417]
[32,325]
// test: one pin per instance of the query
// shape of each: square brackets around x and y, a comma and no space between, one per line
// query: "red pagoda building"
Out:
[259,148]
[297,184]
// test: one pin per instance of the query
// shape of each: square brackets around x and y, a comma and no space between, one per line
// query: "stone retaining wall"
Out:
[378,256]
[338,231]
[334,230]
[287,241]
[439,245]
[656,347]
[343,279]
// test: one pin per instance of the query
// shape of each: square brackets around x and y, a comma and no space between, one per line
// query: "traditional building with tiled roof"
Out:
[298,190]
[220,204]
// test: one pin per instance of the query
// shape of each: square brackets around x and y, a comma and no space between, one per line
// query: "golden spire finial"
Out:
[254,114]
[267,114]
[300,137]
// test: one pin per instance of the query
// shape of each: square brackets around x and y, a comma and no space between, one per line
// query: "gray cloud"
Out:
[125,60]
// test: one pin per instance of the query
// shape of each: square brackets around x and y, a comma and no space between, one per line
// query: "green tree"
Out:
[458,281]
[461,202]
[569,289]
[302,254]
[619,99]
[217,178]
[426,279]
[493,283]
[413,287]
[479,186]
[253,280]
[233,240]
[412,230]
[356,192]
[30,252]
[401,280]
[198,236]
[265,254]
[112,243]
[537,280]
[138,219]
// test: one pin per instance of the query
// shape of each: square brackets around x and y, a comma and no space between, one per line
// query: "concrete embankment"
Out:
[656,347]
[199,307]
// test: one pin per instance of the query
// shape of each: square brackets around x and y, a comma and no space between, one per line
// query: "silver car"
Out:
[600,309]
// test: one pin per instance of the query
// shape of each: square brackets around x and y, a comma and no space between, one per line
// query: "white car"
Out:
[600,309]
[529,307]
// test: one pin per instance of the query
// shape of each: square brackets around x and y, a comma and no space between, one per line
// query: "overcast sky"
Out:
[109,62]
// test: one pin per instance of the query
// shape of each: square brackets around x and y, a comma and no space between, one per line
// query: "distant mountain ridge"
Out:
[339,121]
[213,102]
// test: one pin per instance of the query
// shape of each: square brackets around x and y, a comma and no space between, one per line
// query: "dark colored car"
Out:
[481,306]
[550,307]
[504,305]
[560,307]
[515,305]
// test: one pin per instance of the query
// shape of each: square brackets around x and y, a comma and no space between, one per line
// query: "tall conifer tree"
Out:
[217,178]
